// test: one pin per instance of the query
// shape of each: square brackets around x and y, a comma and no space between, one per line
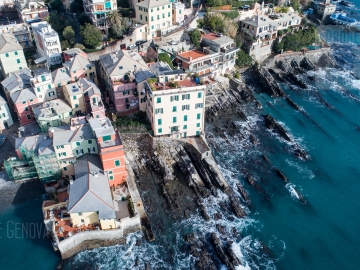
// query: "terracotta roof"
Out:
[194,54]
[210,36]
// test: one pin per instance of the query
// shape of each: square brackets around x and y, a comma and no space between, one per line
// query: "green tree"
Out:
[54,20]
[64,45]
[57,5]
[277,46]
[114,20]
[295,5]
[91,35]
[280,33]
[243,59]
[164,57]
[195,37]
[214,3]
[77,6]
[80,46]
[215,22]
[82,18]
[69,34]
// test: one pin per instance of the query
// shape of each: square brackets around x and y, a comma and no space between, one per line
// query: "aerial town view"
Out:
[177,134]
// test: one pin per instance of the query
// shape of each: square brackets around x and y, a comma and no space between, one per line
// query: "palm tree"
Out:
[114,18]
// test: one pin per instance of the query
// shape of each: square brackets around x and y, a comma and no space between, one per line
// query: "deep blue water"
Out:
[321,234]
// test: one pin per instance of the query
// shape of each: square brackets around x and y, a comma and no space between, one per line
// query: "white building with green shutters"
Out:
[11,55]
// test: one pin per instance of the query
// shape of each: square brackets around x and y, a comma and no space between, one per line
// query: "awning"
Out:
[39,60]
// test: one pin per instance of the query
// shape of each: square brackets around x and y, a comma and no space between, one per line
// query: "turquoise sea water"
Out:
[321,234]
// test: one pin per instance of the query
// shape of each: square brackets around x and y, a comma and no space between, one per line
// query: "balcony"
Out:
[230,50]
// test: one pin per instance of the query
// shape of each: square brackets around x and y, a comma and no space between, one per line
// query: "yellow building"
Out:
[90,200]
[75,97]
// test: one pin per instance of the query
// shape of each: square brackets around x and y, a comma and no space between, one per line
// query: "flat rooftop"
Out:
[194,54]
[167,85]
[101,127]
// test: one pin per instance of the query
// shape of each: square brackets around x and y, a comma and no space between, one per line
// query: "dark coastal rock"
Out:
[147,266]
[237,207]
[267,82]
[300,153]
[252,139]
[266,159]
[251,181]
[217,216]
[234,259]
[307,64]
[244,194]
[281,175]
[292,77]
[275,126]
[221,229]
[220,252]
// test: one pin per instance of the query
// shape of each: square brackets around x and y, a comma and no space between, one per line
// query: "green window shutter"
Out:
[183,97]
[18,61]
[160,130]
[74,97]
[198,116]
[38,89]
[23,102]
[117,163]
[49,86]
[179,11]
[158,100]
[77,143]
[42,78]
[197,132]
[59,84]
[26,109]
[185,118]
[65,169]
[197,124]
[6,54]
[174,109]
[16,53]
[111,177]
[199,95]
[106,138]
[169,14]
[89,141]
[174,119]
[110,172]
[159,122]
[185,127]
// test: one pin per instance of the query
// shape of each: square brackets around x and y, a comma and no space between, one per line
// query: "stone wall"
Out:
[93,239]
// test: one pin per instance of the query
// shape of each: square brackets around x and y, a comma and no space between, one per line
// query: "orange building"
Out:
[111,150]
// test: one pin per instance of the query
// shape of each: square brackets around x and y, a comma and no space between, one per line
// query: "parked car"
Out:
[139,42]
[245,6]
[130,47]
[173,42]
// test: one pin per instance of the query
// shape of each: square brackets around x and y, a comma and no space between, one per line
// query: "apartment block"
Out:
[111,150]
[23,100]
[178,12]
[97,9]
[42,84]
[78,65]
[156,14]
[47,43]
[12,57]
[52,113]
[94,105]
[20,31]
[31,10]
[117,71]
[175,105]
[75,98]
[6,120]
[61,77]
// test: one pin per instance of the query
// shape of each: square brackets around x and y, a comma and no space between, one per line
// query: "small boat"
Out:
[2,139]
[347,3]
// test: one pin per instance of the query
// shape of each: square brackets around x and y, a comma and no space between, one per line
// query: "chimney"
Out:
[51,133]
[96,174]
[190,58]
[71,182]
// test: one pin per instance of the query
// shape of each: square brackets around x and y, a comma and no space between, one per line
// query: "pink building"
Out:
[23,100]
[117,70]
[92,99]
[78,65]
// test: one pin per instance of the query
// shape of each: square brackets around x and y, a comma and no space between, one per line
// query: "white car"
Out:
[173,42]
[131,47]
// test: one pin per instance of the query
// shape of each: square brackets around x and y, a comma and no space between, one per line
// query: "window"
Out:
[169,14]
[109,172]
[62,146]
[74,97]
[174,109]
[199,95]
[163,15]
[59,84]
[77,143]
[185,127]
[51,93]
[38,89]
[174,129]
[64,154]
[198,116]
[26,109]
[160,130]
[159,121]
[151,10]
[18,61]
[152,27]
[31,100]
[140,17]
[65,169]
[106,138]
[6,54]
[158,100]
[158,8]
[197,132]
[174,119]
[185,96]
[80,214]
[185,107]
[185,118]
[198,105]
[76,105]
[111,177]
[179,11]
[125,93]
[145,18]
[42,78]
[89,141]
[159,111]
[197,124]
[49,86]
[16,53]
[23,102]
[152,19]
[168,6]
[158,17]
[117,163]
[163,7]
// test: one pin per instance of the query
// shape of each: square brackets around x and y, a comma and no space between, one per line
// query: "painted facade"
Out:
[6,120]
[75,98]
[23,100]
[97,9]
[12,57]
[30,11]
[20,31]
[43,85]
